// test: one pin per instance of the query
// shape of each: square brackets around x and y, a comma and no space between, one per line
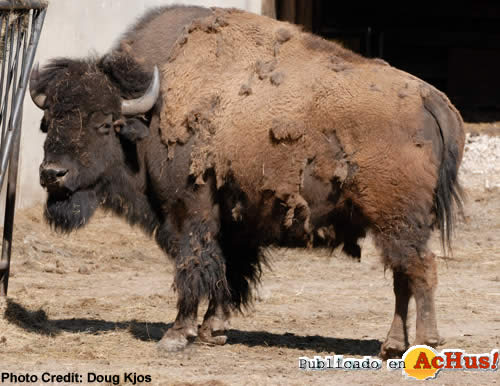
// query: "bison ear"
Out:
[132,130]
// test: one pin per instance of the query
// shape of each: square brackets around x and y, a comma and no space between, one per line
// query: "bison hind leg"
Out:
[396,342]
[404,248]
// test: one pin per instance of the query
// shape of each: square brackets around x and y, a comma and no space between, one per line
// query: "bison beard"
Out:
[66,214]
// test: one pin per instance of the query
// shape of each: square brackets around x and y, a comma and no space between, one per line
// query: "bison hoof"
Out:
[218,340]
[175,341]
[431,341]
[212,337]
[392,348]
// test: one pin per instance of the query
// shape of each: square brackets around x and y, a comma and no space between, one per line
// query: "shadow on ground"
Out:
[38,322]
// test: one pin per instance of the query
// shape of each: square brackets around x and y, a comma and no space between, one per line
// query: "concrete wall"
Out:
[76,28]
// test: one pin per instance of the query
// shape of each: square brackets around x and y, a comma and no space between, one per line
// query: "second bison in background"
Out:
[252,133]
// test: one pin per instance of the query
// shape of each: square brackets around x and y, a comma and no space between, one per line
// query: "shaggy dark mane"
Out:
[52,71]
[121,72]
[67,82]
[125,74]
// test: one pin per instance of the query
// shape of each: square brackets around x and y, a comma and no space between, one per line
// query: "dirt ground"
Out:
[98,301]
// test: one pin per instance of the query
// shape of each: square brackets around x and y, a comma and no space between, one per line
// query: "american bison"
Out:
[221,132]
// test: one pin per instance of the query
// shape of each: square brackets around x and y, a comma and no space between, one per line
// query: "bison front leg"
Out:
[184,328]
[199,273]
[190,289]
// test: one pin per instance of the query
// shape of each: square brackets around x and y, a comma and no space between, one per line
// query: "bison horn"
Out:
[147,101]
[39,99]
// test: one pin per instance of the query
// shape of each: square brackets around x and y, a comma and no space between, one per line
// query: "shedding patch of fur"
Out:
[220,45]
[199,121]
[264,68]
[277,78]
[182,39]
[283,35]
[338,64]
[245,90]
[176,134]
[286,131]
[210,24]
[403,92]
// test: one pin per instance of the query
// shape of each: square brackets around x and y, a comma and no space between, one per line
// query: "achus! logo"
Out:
[423,362]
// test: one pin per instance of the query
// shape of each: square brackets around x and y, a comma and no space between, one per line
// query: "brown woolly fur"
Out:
[263,135]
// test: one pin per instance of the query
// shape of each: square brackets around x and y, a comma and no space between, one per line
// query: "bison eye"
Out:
[44,124]
[104,129]
[44,127]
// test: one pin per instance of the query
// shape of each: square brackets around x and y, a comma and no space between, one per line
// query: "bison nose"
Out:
[51,175]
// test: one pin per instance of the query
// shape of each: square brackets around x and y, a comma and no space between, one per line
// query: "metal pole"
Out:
[10,203]
[11,144]
[22,4]
[10,208]
[7,146]
[5,102]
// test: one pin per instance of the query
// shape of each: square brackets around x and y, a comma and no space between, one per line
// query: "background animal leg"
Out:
[215,323]
[243,266]
[396,342]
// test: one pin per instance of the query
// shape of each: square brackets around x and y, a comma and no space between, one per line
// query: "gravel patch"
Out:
[480,167]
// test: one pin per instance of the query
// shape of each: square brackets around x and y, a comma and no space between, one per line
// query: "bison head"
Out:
[94,112]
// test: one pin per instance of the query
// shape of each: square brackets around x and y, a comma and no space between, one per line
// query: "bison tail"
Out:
[448,195]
